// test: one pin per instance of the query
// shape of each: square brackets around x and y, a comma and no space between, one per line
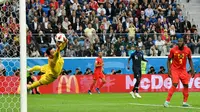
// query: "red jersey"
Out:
[98,61]
[94,5]
[54,4]
[179,57]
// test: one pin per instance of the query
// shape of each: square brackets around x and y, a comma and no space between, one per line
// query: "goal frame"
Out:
[23,57]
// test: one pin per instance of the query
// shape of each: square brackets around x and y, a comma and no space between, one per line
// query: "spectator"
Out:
[180,16]
[196,41]
[78,72]
[162,70]
[111,51]
[103,50]
[178,26]
[172,31]
[88,71]
[122,51]
[186,24]
[35,53]
[165,36]
[151,70]
[2,69]
[131,50]
[66,23]
[90,52]
[172,17]
[153,51]
[160,45]
[110,21]
[149,11]
[100,10]
[188,40]
[94,5]
[148,46]
[70,52]
[88,32]
[110,12]
[131,32]
[76,46]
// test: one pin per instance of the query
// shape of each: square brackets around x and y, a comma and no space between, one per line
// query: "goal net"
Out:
[9,56]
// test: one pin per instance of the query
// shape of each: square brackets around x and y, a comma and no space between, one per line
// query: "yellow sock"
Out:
[35,68]
[34,85]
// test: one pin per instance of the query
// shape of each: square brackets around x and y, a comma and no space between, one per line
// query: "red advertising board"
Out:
[115,83]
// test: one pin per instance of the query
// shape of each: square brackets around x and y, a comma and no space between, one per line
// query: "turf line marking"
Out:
[156,105]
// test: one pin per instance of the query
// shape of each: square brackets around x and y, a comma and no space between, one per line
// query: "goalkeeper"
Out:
[54,67]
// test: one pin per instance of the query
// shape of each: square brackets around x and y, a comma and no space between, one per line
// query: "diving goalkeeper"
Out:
[55,64]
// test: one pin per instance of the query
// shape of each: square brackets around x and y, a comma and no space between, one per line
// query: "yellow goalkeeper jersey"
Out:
[56,64]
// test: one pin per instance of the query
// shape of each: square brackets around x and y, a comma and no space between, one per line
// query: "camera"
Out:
[162,70]
[88,71]
[116,72]
[79,73]
[66,72]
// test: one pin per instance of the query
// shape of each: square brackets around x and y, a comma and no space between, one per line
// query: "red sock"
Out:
[185,94]
[92,86]
[170,93]
[101,85]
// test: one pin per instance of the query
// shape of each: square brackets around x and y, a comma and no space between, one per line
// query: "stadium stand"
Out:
[112,26]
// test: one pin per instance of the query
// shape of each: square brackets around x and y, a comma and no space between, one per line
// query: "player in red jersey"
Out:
[98,73]
[177,70]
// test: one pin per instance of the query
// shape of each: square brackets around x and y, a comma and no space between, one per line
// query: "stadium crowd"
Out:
[112,26]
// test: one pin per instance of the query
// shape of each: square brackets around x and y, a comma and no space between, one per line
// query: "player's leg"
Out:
[185,80]
[185,95]
[175,80]
[34,85]
[35,68]
[95,77]
[45,79]
[36,89]
[138,78]
[102,76]
[92,86]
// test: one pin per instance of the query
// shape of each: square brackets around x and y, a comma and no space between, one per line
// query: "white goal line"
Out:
[115,104]
[156,105]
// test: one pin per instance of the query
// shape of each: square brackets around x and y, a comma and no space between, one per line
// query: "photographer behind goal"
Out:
[30,81]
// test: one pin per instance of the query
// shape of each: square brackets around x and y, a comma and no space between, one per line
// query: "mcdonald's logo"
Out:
[68,80]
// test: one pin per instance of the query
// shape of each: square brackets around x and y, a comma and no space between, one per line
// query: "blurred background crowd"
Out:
[111,26]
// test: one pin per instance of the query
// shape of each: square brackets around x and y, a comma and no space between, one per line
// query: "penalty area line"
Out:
[156,105]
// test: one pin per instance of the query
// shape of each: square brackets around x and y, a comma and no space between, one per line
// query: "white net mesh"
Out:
[9,56]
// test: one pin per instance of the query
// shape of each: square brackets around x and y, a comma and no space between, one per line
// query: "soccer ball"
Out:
[60,37]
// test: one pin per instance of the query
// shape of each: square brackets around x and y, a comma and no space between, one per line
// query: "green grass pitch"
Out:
[110,102]
[105,102]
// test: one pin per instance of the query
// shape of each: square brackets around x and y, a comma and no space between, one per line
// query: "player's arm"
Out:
[143,58]
[98,64]
[191,64]
[171,55]
[60,47]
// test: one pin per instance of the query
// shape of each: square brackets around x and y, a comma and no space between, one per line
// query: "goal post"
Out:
[23,59]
